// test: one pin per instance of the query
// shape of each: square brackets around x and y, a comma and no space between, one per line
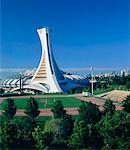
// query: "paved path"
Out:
[47,112]
[96,101]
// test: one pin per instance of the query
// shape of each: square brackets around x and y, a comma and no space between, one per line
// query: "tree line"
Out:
[93,129]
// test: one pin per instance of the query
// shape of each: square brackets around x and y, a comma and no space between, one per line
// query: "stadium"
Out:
[47,78]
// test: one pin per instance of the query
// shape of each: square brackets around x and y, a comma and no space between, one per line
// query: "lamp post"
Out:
[92,80]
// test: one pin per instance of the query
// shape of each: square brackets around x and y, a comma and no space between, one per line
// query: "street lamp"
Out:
[92,80]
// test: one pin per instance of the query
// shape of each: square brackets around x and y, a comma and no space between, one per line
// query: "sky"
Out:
[85,32]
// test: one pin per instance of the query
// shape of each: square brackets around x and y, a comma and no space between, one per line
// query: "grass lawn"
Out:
[21,103]
[101,91]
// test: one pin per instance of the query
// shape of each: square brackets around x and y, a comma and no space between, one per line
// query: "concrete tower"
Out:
[47,73]
[48,78]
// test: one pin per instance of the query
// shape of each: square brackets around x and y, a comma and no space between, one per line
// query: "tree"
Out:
[25,127]
[128,85]
[98,85]
[95,139]
[17,133]
[79,137]
[67,126]
[104,85]
[89,113]
[87,89]
[114,130]
[55,128]
[9,135]
[9,108]
[109,107]
[32,108]
[58,110]
[42,139]
[38,137]
[126,104]
[2,91]
[119,80]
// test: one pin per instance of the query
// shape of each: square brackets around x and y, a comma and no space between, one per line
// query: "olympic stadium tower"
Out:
[48,77]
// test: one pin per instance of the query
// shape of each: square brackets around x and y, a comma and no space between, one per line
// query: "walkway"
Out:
[47,112]
[96,101]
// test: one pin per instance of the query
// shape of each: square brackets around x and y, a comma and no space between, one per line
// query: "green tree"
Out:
[104,85]
[55,128]
[42,139]
[9,109]
[67,126]
[114,130]
[98,85]
[95,139]
[58,110]
[2,91]
[38,137]
[126,104]
[32,108]
[119,80]
[109,107]
[87,89]
[61,129]
[128,85]
[25,127]
[8,135]
[17,134]
[79,137]
[72,90]
[89,113]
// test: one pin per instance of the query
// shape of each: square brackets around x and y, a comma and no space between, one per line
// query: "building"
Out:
[48,77]
[124,73]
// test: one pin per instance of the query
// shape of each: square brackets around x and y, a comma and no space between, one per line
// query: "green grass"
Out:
[21,103]
[101,91]
[120,87]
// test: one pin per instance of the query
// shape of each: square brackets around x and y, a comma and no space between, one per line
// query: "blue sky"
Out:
[85,32]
